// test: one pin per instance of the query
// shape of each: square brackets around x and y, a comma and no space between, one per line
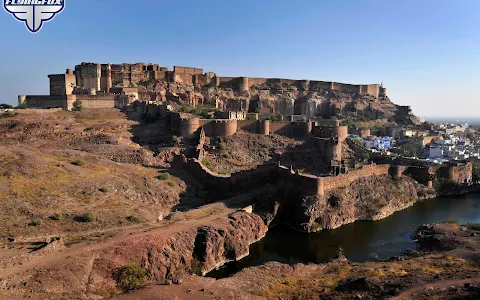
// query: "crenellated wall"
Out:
[66,101]
[312,185]
[40,101]
[94,77]
[222,127]
[244,83]
[343,180]
[304,184]
[236,182]
[92,101]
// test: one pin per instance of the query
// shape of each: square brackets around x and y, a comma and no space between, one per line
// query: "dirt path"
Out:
[442,284]
[193,219]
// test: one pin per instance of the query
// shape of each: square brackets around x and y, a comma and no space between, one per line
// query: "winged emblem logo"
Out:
[34,13]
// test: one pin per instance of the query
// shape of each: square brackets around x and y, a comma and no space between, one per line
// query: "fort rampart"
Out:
[105,78]
[305,184]
[188,126]
[245,83]
[236,182]
[66,101]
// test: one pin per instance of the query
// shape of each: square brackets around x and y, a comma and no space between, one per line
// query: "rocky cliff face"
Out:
[368,198]
[216,245]
[168,254]
[450,272]
[285,99]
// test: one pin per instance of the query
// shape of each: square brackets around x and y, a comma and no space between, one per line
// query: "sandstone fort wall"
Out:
[243,83]
[239,181]
[343,180]
[39,101]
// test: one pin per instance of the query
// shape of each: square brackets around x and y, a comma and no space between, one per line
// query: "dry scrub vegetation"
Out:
[67,172]
[346,280]
[244,151]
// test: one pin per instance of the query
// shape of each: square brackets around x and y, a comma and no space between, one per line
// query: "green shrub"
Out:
[86,218]
[272,117]
[164,176]
[476,171]
[446,186]
[222,146]
[35,222]
[8,114]
[172,184]
[56,217]
[196,266]
[207,163]
[78,162]
[474,226]
[131,277]
[133,219]
[77,106]
[6,106]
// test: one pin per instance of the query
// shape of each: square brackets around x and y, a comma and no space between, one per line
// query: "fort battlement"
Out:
[304,184]
[104,77]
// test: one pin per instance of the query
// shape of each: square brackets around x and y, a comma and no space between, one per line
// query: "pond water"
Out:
[361,241]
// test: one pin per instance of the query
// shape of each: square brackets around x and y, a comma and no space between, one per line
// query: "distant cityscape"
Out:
[437,143]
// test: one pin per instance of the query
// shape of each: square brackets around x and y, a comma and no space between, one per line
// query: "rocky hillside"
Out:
[277,98]
[368,198]
[70,172]
[244,151]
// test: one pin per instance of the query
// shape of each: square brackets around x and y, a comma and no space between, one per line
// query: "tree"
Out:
[77,106]
[412,148]
[6,106]
[476,171]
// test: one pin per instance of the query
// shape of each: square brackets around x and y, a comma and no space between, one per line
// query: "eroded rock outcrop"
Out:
[168,255]
[219,243]
[445,236]
[282,98]
[367,198]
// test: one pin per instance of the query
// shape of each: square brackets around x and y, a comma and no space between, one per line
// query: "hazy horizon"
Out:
[425,53]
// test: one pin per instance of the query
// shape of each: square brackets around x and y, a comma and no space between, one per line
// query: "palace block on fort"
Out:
[116,85]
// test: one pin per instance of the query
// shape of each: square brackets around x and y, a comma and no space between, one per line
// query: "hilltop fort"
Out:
[117,85]
[274,151]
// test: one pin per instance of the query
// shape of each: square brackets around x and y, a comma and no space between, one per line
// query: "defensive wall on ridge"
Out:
[189,126]
[421,171]
[98,79]
[245,83]
[310,185]
[236,182]
[304,184]
[66,101]
[313,185]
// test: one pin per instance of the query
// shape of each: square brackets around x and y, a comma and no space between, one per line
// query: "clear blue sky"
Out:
[426,52]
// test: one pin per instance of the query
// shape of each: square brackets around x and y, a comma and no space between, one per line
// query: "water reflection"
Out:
[362,240]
